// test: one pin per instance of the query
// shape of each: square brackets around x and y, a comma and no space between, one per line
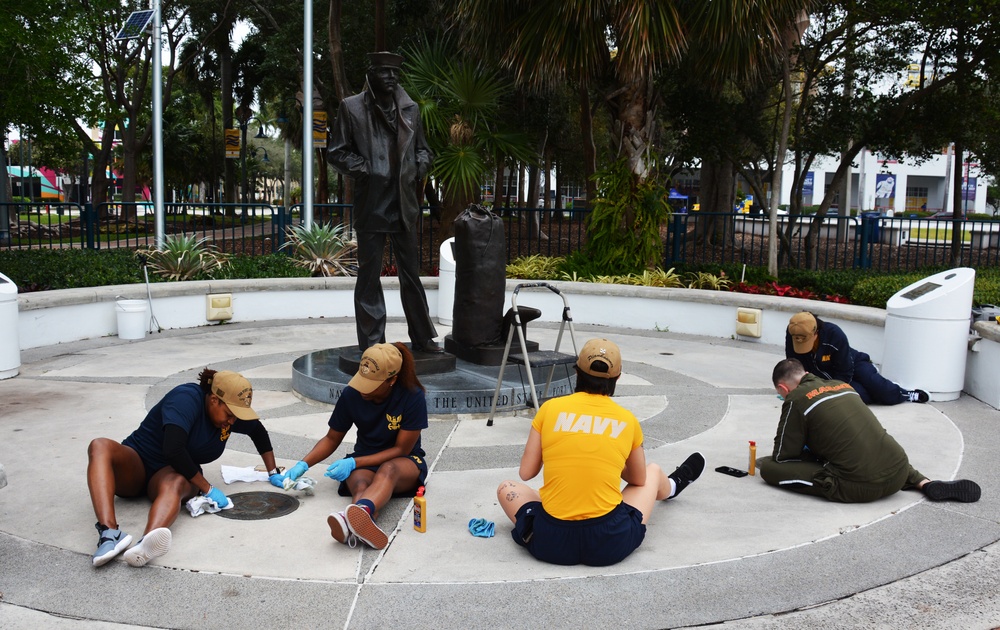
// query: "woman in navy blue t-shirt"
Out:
[386,402]
[162,460]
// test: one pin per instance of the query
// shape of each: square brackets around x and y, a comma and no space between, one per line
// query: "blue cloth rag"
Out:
[481,527]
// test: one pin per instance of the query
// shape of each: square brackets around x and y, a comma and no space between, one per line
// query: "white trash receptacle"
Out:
[10,341]
[927,333]
[446,282]
[132,318]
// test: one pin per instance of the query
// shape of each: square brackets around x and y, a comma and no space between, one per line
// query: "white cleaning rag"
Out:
[201,504]
[304,484]
[235,473]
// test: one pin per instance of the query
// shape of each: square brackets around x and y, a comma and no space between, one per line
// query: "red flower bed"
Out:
[786,290]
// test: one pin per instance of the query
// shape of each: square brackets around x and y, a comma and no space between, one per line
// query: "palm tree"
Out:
[459,104]
[625,45]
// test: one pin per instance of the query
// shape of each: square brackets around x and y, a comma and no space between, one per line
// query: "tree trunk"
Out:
[717,179]
[322,178]
[957,229]
[341,87]
[225,53]
[779,163]
[634,126]
[498,183]
[454,204]
[587,143]
[380,44]
[129,212]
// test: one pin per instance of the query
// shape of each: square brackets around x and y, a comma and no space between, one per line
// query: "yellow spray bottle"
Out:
[420,511]
[752,468]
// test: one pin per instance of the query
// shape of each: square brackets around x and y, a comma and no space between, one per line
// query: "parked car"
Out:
[945,216]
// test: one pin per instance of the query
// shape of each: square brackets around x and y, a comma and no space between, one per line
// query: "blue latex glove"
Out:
[341,469]
[296,471]
[216,495]
[277,480]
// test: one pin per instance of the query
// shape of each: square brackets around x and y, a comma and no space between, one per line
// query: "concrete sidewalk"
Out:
[728,551]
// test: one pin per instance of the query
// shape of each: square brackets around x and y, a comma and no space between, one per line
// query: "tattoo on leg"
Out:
[511,495]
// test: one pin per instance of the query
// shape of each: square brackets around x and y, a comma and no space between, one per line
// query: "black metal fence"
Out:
[253,228]
[867,242]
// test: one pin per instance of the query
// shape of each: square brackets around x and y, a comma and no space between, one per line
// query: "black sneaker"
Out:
[687,473]
[961,490]
[918,396]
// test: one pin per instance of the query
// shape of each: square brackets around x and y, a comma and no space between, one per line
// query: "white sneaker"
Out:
[152,545]
[340,531]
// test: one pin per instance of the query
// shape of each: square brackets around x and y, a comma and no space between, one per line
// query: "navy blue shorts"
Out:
[595,542]
[421,463]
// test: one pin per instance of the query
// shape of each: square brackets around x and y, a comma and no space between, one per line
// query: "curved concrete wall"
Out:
[52,317]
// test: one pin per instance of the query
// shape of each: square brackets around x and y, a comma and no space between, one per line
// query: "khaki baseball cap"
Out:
[802,328]
[235,390]
[603,355]
[378,364]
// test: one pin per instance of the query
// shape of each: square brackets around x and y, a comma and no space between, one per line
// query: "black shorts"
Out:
[421,463]
[596,542]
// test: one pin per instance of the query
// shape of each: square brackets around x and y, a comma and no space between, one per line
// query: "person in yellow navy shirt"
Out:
[588,444]
[388,405]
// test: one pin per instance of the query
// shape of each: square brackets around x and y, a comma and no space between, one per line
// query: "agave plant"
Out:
[323,249]
[184,257]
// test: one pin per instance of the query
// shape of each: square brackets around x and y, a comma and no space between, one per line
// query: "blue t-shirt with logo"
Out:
[183,406]
[379,423]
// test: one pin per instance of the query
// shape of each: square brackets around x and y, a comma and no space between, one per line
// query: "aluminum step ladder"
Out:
[540,358]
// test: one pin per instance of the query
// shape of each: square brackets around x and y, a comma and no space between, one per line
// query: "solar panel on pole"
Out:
[135,25]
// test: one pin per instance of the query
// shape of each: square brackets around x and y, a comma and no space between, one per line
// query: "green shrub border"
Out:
[50,269]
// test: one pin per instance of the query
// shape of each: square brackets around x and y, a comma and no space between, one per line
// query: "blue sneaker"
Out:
[110,544]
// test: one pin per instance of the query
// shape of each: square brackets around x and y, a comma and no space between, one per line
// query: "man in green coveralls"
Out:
[829,444]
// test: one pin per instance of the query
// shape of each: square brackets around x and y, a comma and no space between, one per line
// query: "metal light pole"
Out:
[243,116]
[158,215]
[307,115]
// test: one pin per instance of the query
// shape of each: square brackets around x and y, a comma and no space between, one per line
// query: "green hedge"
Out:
[49,269]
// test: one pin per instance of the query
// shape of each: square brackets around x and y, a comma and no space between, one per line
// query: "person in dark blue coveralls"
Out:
[387,404]
[162,459]
[822,348]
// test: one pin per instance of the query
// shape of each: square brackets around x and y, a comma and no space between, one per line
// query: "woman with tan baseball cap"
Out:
[387,404]
[162,459]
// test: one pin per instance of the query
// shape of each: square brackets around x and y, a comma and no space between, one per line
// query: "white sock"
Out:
[673,488]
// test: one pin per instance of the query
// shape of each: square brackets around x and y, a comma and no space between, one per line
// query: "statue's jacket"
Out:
[386,160]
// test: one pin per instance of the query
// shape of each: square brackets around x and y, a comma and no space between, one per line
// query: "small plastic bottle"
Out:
[420,511]
[752,468]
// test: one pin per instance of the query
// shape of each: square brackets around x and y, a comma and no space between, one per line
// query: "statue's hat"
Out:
[385,60]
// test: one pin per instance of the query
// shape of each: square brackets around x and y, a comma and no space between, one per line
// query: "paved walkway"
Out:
[728,551]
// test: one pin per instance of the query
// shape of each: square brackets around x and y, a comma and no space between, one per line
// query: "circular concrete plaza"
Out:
[728,551]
